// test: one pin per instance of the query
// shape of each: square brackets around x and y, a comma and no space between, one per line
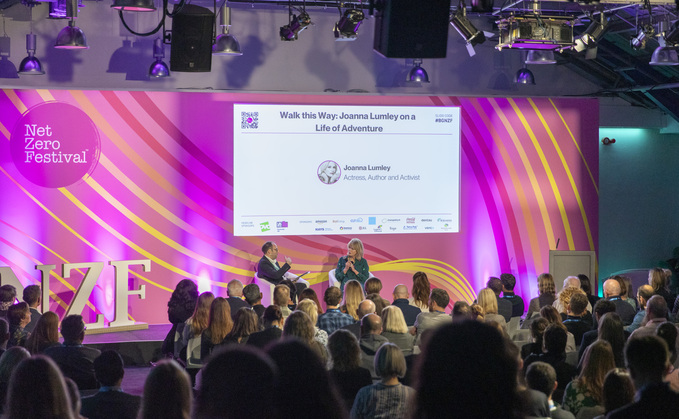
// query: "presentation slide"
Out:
[309,169]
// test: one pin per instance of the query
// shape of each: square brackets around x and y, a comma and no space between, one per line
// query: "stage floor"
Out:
[137,347]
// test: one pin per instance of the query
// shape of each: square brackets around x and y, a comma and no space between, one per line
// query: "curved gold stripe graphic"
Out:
[569,174]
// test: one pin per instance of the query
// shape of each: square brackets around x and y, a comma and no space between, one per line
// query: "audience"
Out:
[372,285]
[45,334]
[74,397]
[612,293]
[668,332]
[8,295]
[193,330]
[537,331]
[281,298]
[311,294]
[346,372]
[18,316]
[353,295]
[388,398]
[656,313]
[179,309]
[167,392]
[575,321]
[553,317]
[32,296]
[601,307]
[461,311]
[310,308]
[394,328]
[618,390]
[587,389]
[4,335]
[508,284]
[541,376]
[110,402]
[333,318]
[586,286]
[570,281]
[8,363]
[546,294]
[273,328]
[421,290]
[435,316]
[554,345]
[401,301]
[659,281]
[218,326]
[370,341]
[245,323]
[253,296]
[611,330]
[379,302]
[299,325]
[504,305]
[234,290]
[644,293]
[488,301]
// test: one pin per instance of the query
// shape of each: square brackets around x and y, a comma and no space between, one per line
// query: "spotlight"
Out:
[524,76]
[664,56]
[159,69]
[346,28]
[71,37]
[417,74]
[466,29]
[30,65]
[291,31]
[589,39]
[639,41]
[226,44]
[134,5]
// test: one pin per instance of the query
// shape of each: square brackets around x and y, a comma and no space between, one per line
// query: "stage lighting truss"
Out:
[297,24]
[346,29]
[536,32]
[466,29]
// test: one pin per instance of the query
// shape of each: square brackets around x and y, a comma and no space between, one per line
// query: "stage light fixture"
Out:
[524,76]
[31,64]
[538,56]
[134,5]
[466,29]
[417,74]
[346,29]
[590,37]
[226,44]
[639,41]
[664,55]
[7,68]
[297,24]
[672,37]
[159,68]
[71,37]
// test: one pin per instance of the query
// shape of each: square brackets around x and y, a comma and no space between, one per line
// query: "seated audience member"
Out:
[555,355]
[281,298]
[546,294]
[618,390]
[537,331]
[4,335]
[627,293]
[372,286]
[644,293]
[253,296]
[647,359]
[74,397]
[370,341]
[553,317]
[32,297]
[659,281]
[309,307]
[366,307]
[299,325]
[167,392]
[586,285]
[268,267]
[38,390]
[656,313]
[575,322]
[612,292]
[346,372]
[395,329]
[541,376]
[570,281]
[309,396]
[244,325]
[238,382]
[111,402]
[193,330]
[488,301]
[45,334]
[508,284]
[333,318]
[451,357]
[179,309]
[234,290]
[218,326]
[294,287]
[8,363]
[587,389]
[601,307]
[18,316]
[75,360]
[435,317]
[388,398]
[504,306]
[379,302]
[421,290]
[534,402]
[273,328]
[461,312]
[401,301]
[353,295]
[8,295]
[668,332]
[611,330]
[565,299]
[477,312]
[311,294]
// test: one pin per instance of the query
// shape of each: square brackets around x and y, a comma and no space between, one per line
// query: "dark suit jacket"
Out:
[236,304]
[266,270]
[110,405]
[409,312]
[77,363]
[504,308]
[624,310]
[656,401]
[266,336]
[35,316]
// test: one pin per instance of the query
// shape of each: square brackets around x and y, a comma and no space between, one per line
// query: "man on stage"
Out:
[268,267]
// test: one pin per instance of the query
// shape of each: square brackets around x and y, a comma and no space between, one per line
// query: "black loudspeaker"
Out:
[191,48]
[412,28]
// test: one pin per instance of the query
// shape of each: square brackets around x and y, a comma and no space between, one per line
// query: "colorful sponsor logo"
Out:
[264,226]
[281,224]
[410,220]
[356,220]
[372,220]
[410,227]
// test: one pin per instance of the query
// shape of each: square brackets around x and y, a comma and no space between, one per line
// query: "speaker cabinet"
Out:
[412,28]
[191,48]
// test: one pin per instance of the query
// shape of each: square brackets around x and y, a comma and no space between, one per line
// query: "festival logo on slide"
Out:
[55,144]
[329,172]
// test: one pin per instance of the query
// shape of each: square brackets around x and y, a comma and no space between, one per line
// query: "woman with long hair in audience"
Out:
[167,392]
[45,333]
[179,308]
[618,390]
[611,330]
[546,294]
[245,324]
[8,363]
[586,285]
[353,265]
[658,280]
[219,325]
[587,389]
[346,372]
[311,294]
[488,301]
[37,390]
[537,332]
[353,295]
[298,325]
[310,308]
[388,398]
[395,329]
[420,292]
[196,324]
[553,317]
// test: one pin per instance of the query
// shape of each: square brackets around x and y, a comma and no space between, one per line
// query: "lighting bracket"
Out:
[536,31]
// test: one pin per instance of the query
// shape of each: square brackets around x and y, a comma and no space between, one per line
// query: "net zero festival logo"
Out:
[55,144]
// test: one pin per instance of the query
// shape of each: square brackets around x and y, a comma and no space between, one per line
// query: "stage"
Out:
[137,347]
